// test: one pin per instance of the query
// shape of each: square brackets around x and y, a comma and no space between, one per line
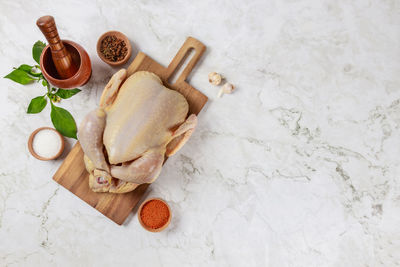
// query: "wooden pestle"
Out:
[61,57]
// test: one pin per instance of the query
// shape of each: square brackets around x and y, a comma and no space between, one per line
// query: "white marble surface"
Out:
[299,167]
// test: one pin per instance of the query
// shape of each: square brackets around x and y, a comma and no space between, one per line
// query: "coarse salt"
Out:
[46,143]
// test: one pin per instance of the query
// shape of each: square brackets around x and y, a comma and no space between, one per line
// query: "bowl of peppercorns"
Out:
[114,48]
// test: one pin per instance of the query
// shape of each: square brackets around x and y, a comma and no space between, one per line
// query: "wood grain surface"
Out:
[72,173]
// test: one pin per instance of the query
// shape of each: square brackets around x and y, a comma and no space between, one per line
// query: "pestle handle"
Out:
[61,57]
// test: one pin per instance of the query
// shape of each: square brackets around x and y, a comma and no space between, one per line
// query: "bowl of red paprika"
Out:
[154,215]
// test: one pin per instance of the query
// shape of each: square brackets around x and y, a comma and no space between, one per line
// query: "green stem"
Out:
[48,86]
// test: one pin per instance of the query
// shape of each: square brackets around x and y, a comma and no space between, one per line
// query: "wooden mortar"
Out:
[65,64]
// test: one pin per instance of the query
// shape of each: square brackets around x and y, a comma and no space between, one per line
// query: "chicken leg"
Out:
[142,170]
[91,130]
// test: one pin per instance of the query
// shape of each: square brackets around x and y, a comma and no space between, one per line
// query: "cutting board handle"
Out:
[184,51]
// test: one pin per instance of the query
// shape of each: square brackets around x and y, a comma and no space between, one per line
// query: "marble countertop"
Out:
[299,167]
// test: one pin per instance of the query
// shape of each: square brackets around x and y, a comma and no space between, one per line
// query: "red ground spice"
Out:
[154,214]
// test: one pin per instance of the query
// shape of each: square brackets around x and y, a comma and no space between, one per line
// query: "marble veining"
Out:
[299,167]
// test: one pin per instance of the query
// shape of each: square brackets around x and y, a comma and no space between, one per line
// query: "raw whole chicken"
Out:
[138,122]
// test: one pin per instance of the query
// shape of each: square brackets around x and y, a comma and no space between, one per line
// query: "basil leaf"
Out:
[37,50]
[19,76]
[37,104]
[65,94]
[63,121]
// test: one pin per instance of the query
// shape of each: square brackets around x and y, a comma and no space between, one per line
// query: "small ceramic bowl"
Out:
[119,35]
[144,225]
[30,143]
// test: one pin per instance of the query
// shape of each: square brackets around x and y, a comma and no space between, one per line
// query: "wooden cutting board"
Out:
[72,173]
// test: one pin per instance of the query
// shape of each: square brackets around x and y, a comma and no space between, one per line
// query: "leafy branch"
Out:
[26,74]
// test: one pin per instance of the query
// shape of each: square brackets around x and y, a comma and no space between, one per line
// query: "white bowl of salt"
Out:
[46,143]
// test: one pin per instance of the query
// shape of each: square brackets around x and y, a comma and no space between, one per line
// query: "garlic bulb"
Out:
[226,89]
[214,78]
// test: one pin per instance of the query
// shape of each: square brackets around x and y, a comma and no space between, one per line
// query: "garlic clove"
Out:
[228,88]
[214,78]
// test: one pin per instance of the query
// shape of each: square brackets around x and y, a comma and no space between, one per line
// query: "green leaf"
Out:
[25,68]
[35,74]
[19,76]
[37,104]
[37,50]
[44,83]
[28,69]
[65,94]
[63,121]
